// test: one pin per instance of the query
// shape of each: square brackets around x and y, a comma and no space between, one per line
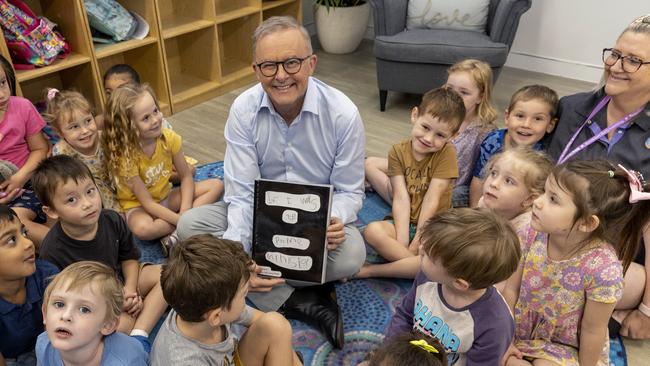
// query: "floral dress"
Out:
[553,295]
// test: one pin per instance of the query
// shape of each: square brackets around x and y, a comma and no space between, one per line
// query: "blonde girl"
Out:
[514,179]
[472,79]
[71,115]
[139,155]
[570,277]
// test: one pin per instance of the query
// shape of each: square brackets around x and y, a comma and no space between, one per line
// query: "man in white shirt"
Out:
[291,127]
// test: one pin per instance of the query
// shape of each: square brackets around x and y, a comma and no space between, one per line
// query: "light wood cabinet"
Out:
[195,50]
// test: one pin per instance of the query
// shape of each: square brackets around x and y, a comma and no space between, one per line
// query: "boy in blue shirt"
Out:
[22,282]
[82,309]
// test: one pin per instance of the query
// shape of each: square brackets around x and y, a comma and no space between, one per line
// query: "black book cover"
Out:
[290,223]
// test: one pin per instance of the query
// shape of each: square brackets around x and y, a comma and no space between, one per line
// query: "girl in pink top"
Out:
[22,147]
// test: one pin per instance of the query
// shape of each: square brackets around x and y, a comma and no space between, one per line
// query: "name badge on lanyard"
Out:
[566,154]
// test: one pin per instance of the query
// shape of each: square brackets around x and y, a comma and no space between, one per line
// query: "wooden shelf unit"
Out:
[195,50]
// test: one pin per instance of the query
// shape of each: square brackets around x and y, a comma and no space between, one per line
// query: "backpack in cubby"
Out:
[31,40]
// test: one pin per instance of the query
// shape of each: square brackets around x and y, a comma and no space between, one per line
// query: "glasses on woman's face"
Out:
[291,66]
[628,63]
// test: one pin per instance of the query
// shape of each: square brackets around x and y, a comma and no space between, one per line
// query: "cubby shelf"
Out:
[235,14]
[195,50]
[266,5]
[187,25]
[113,49]
[71,60]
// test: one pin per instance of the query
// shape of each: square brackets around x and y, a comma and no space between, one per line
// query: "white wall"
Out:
[566,37]
[558,37]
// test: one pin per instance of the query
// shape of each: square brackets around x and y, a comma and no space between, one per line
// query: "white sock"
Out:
[139,332]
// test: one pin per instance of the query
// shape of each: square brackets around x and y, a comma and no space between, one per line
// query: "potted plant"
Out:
[341,24]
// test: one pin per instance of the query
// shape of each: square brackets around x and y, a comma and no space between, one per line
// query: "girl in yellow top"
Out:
[139,155]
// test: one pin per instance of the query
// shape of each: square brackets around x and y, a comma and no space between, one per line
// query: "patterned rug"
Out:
[367,305]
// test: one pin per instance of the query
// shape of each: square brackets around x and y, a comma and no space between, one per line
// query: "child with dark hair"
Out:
[409,348]
[85,231]
[453,299]
[23,279]
[589,220]
[206,281]
[118,75]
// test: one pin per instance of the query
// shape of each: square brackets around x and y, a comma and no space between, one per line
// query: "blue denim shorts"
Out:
[29,201]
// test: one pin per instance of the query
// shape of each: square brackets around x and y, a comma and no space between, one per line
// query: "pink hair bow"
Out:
[636,187]
[51,93]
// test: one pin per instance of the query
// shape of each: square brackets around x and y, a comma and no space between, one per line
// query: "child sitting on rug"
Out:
[472,80]
[86,232]
[529,118]
[23,279]
[589,220]
[116,76]
[206,282]
[82,308]
[71,116]
[22,147]
[122,74]
[418,181]
[139,155]
[514,179]
[409,348]
[453,299]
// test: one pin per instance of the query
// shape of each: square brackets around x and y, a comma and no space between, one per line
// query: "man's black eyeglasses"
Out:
[291,66]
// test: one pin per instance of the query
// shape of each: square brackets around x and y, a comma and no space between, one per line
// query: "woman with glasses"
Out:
[614,123]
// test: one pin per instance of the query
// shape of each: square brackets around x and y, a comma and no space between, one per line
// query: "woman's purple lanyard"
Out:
[566,155]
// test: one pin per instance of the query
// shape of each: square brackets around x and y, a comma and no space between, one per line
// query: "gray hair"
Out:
[277,24]
[639,25]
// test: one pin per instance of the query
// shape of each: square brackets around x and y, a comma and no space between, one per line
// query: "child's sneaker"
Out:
[167,243]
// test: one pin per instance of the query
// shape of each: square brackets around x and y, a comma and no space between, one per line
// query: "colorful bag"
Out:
[111,19]
[30,39]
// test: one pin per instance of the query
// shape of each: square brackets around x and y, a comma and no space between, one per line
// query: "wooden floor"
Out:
[354,74]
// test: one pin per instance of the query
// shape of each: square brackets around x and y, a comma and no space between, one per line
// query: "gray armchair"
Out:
[415,61]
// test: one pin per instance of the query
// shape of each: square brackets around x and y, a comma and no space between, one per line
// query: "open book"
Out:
[290,223]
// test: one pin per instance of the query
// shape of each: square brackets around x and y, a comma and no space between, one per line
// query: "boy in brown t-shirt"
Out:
[418,179]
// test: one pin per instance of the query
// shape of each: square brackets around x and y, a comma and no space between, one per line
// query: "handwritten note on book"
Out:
[305,202]
[284,241]
[293,262]
[290,216]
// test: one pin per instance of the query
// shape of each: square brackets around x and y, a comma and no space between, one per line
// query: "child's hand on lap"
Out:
[132,302]
[11,188]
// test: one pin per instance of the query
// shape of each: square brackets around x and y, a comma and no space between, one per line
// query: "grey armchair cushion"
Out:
[416,60]
[440,47]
